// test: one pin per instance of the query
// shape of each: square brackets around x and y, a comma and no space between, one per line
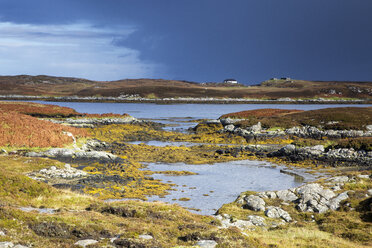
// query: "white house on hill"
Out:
[230,81]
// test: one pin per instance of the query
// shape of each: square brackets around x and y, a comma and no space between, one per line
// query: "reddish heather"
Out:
[261,113]
[37,109]
[21,130]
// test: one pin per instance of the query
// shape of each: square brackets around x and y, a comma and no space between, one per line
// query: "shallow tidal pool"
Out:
[222,183]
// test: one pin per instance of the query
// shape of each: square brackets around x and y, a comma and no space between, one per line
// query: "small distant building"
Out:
[286,78]
[230,81]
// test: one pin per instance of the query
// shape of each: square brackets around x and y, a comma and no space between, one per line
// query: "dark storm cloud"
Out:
[209,40]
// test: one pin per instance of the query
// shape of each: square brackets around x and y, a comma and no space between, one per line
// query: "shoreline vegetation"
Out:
[58,166]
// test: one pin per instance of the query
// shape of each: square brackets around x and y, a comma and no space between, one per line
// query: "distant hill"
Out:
[160,88]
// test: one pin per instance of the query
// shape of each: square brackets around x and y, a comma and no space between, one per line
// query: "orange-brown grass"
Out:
[20,130]
[260,113]
[36,109]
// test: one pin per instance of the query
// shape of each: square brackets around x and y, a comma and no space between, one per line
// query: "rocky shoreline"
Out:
[182,100]
[311,198]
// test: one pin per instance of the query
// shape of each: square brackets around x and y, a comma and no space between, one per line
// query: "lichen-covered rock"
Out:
[255,128]
[86,242]
[252,221]
[94,145]
[254,202]
[256,220]
[229,128]
[277,212]
[334,203]
[67,173]
[339,179]
[286,195]
[68,155]
[206,243]
[6,245]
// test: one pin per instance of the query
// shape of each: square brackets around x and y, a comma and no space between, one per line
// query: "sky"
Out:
[192,40]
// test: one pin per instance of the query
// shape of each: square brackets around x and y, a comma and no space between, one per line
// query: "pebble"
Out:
[145,236]
[206,243]
[86,242]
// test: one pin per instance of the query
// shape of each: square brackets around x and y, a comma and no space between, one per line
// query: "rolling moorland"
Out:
[155,89]
[58,166]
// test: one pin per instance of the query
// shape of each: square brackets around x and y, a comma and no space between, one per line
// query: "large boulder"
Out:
[314,198]
[254,203]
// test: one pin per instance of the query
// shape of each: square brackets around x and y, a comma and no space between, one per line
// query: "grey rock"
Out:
[228,121]
[255,128]
[369,192]
[206,243]
[314,198]
[286,195]
[86,242]
[364,176]
[20,246]
[145,236]
[256,220]
[93,145]
[288,149]
[255,203]
[267,194]
[229,128]
[277,212]
[369,128]
[2,233]
[337,187]
[64,153]
[68,172]
[6,244]
[334,203]
[339,179]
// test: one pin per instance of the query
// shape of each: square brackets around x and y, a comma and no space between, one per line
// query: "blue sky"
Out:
[195,40]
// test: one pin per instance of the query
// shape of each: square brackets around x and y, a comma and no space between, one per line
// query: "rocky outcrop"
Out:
[333,156]
[311,197]
[86,242]
[254,203]
[11,245]
[315,133]
[89,122]
[206,244]
[277,213]
[257,132]
[66,173]
[88,153]
[340,156]
[250,223]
